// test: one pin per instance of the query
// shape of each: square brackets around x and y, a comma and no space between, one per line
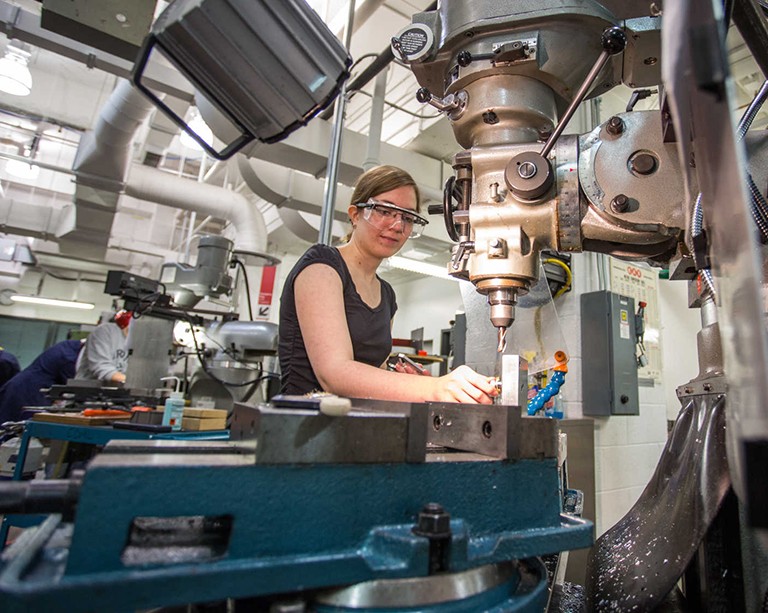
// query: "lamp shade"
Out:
[15,78]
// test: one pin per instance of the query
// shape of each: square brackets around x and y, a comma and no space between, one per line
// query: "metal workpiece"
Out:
[631,176]
[539,438]
[174,447]
[304,436]
[492,430]
[514,380]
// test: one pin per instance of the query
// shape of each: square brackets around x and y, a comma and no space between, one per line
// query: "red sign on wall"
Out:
[266,290]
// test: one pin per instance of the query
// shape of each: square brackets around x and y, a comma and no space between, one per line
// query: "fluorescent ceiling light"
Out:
[70,304]
[15,78]
[424,268]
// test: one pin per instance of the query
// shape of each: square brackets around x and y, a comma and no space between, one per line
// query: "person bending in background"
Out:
[104,356]
[335,330]
[9,366]
[52,367]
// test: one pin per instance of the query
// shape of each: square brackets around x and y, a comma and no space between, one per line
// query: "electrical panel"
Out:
[609,364]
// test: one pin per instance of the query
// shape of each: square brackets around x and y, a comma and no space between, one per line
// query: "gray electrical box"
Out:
[609,365]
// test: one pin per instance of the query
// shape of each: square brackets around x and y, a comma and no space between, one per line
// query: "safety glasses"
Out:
[385,215]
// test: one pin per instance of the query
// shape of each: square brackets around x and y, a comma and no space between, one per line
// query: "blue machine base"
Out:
[291,528]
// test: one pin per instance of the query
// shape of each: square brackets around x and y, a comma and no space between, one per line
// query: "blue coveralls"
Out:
[9,366]
[54,366]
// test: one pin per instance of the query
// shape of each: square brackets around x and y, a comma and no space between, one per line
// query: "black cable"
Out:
[247,287]
[360,59]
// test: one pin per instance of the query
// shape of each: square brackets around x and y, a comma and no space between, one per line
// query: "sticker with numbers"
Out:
[641,283]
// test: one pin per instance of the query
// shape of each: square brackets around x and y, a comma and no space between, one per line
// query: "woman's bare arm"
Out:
[319,297]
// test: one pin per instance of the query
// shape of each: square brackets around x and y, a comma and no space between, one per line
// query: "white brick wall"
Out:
[627,448]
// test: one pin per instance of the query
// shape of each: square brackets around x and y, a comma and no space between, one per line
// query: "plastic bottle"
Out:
[173,412]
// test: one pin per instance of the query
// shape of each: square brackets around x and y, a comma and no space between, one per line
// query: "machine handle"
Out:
[613,41]
[447,208]
[39,496]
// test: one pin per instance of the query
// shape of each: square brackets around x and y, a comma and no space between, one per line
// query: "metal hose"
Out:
[697,223]
[751,112]
[759,207]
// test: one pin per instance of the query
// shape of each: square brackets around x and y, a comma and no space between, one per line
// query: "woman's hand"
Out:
[466,385]
[410,369]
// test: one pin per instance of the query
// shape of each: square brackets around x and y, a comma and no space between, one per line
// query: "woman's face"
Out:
[386,242]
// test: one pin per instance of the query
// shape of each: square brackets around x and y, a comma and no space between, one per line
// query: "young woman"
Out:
[336,313]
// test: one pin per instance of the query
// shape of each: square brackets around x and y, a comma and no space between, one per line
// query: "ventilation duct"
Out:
[100,167]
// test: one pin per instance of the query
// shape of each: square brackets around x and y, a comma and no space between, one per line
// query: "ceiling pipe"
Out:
[105,152]
[332,170]
[154,185]
[104,171]
[101,164]
[373,158]
[300,192]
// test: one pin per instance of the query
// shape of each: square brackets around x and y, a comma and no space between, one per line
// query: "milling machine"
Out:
[509,84]
[233,357]
[647,186]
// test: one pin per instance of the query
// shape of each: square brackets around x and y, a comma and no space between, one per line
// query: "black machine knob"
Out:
[464,58]
[613,40]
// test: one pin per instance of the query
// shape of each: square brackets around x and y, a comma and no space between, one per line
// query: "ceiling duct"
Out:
[101,164]
[148,183]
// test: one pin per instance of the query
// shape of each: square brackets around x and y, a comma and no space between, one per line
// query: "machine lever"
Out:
[452,105]
[463,250]
[613,41]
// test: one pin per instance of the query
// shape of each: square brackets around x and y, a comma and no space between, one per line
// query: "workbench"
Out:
[89,435]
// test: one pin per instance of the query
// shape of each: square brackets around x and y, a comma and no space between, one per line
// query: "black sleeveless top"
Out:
[369,328]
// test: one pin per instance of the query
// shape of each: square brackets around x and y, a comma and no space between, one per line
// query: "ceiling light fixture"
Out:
[197,124]
[70,304]
[423,268]
[15,78]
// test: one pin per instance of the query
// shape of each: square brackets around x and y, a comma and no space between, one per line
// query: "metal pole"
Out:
[329,194]
[377,118]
